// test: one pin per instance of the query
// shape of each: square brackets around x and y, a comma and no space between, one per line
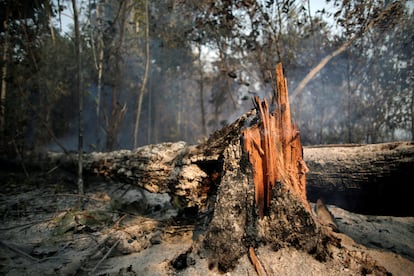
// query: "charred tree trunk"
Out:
[370,179]
[361,178]
[262,195]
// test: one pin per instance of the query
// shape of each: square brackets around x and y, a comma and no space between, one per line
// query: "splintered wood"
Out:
[274,149]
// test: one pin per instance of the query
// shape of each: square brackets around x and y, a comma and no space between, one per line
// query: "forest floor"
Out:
[123,230]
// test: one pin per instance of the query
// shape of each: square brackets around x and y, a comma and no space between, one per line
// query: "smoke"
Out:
[359,96]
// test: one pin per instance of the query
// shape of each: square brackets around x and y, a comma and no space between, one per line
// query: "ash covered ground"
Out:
[124,230]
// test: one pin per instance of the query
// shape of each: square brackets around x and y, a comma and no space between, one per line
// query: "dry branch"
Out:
[17,250]
[255,261]
[105,256]
[388,12]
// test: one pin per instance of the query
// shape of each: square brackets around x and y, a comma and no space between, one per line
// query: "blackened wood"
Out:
[371,179]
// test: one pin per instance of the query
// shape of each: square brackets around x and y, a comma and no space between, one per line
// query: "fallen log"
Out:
[369,179]
[188,172]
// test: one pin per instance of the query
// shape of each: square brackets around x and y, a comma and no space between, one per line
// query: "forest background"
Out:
[124,73]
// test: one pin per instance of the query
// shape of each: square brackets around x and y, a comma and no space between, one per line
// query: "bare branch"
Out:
[315,70]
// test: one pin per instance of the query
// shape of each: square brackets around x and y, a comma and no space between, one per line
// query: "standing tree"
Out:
[98,49]
[79,90]
[5,49]
[201,81]
[117,110]
[145,78]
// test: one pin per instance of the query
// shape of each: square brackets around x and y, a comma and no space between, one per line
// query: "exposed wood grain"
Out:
[274,149]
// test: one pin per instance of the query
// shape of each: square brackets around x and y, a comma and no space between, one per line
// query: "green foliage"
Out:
[226,48]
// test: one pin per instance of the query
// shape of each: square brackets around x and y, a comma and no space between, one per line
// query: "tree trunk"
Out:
[362,178]
[50,19]
[4,76]
[117,111]
[79,89]
[201,92]
[371,179]
[100,14]
[412,115]
[145,78]
[262,198]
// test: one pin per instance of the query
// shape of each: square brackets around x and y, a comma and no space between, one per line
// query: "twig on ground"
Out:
[105,256]
[25,224]
[116,224]
[256,263]
[24,254]
[75,195]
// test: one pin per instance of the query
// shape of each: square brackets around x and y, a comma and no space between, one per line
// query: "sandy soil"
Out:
[127,231]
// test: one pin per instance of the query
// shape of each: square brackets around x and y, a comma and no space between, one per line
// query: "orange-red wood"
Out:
[253,145]
[274,149]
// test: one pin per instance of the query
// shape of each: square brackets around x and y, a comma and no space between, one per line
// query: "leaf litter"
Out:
[124,230]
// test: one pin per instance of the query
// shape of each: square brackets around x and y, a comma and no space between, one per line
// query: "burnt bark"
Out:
[369,179]
[236,225]
[262,195]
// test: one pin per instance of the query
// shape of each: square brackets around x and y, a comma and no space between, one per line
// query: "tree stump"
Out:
[262,195]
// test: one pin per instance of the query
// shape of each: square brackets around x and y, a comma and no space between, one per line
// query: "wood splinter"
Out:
[256,263]
[274,149]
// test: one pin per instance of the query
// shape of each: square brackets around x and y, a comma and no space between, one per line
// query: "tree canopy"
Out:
[178,70]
